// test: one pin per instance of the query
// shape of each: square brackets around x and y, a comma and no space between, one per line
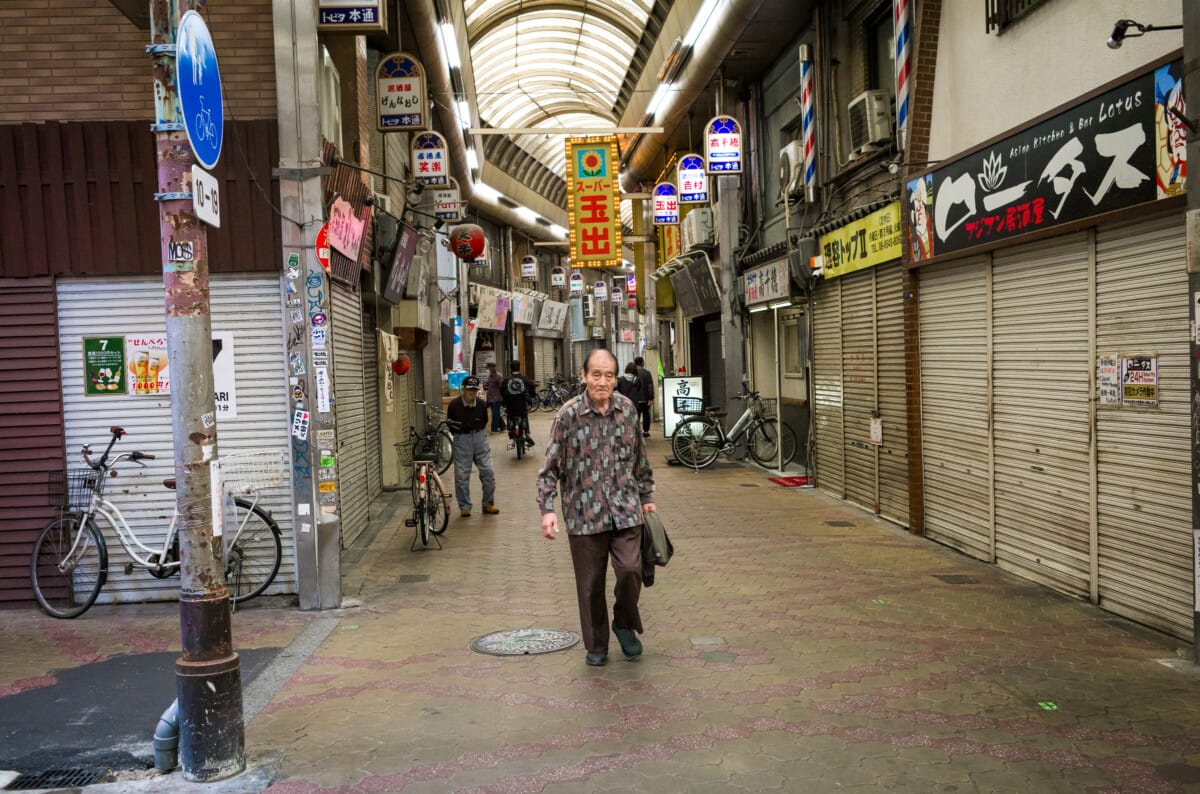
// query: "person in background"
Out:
[646,395]
[627,384]
[596,455]
[468,416]
[494,400]
[518,391]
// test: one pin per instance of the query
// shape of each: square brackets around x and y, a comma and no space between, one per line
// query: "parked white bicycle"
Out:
[70,556]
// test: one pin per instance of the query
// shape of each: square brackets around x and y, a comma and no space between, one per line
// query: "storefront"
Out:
[699,306]
[1054,372]
[860,402]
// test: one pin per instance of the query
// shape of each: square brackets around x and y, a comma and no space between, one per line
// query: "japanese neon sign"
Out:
[666,204]
[692,180]
[723,145]
[400,89]
[593,202]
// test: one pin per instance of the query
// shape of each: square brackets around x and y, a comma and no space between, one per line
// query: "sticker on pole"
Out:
[198,84]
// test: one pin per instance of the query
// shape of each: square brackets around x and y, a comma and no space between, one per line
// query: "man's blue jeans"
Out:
[497,417]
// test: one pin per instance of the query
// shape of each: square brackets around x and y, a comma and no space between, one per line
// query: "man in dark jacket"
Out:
[518,392]
[644,394]
[469,416]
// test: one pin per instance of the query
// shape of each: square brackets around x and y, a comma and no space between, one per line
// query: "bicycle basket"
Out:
[246,472]
[689,405]
[767,408]
[404,453]
[72,490]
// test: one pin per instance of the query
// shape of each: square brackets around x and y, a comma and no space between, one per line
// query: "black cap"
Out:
[471,382]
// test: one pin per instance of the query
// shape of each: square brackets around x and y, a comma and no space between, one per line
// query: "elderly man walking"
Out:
[468,416]
[597,454]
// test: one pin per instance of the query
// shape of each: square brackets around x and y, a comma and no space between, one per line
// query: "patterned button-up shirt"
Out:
[600,462]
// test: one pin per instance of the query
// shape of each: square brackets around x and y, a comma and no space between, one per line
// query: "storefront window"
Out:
[791,345]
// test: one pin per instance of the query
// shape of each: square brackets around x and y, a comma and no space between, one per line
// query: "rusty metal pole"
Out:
[208,674]
[1191,89]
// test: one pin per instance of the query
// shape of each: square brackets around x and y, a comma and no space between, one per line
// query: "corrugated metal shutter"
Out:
[893,396]
[1040,308]
[827,387]
[351,413]
[544,366]
[370,377]
[1144,458]
[31,425]
[248,307]
[955,432]
[858,379]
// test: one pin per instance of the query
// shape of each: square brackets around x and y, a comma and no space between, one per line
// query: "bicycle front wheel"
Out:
[253,552]
[762,443]
[443,450]
[435,507]
[68,568]
[696,442]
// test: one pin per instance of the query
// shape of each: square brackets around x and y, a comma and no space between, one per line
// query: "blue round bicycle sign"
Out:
[198,80]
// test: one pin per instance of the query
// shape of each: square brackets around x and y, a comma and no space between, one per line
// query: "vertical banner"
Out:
[692,180]
[593,202]
[401,91]
[723,145]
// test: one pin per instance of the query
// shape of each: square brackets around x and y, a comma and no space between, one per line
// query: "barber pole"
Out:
[903,35]
[808,129]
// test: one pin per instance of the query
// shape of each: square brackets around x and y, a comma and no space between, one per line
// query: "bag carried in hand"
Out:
[656,546]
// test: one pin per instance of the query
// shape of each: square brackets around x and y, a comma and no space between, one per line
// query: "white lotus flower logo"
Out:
[994,172]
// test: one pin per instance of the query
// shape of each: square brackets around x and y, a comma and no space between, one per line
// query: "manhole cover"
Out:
[522,642]
[55,778]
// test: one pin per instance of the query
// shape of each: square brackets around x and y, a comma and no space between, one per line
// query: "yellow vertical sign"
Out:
[593,202]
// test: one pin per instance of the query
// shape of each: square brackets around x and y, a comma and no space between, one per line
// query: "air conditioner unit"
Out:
[696,230]
[870,119]
[383,202]
[589,307]
[791,170]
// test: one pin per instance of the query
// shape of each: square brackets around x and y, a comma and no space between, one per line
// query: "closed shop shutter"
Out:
[858,379]
[1041,325]
[827,387]
[351,413]
[370,348]
[1144,458]
[544,365]
[955,434]
[249,308]
[31,425]
[893,396]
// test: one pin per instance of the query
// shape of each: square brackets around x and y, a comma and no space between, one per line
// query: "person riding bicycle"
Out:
[518,392]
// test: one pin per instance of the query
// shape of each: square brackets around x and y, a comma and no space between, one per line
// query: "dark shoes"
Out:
[630,645]
[645,434]
[597,659]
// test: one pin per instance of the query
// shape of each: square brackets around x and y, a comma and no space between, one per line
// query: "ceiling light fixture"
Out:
[660,94]
[450,45]
[700,23]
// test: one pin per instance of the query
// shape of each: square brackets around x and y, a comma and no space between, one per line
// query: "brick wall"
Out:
[43,76]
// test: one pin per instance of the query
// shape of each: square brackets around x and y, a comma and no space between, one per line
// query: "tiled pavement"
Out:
[794,644]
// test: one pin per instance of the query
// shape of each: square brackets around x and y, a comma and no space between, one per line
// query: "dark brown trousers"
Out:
[590,555]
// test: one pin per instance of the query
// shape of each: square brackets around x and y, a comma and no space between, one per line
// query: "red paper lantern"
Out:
[467,241]
[401,365]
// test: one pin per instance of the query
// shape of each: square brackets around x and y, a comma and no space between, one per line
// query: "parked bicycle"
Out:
[552,396]
[70,562]
[699,437]
[435,443]
[430,500]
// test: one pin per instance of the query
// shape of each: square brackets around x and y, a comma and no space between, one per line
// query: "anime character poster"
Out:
[920,217]
[1170,133]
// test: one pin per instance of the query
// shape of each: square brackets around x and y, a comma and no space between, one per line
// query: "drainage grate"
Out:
[412,578]
[956,578]
[839,523]
[55,778]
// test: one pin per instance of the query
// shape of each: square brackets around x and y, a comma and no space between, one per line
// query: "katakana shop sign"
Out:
[593,202]
[430,163]
[343,16]
[723,145]
[402,93]
[666,204]
[864,243]
[692,180]
[1111,151]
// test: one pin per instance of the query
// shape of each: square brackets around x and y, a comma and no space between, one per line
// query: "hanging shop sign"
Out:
[492,313]
[576,283]
[104,366]
[666,204]
[343,16]
[631,283]
[529,266]
[863,243]
[406,249]
[430,163]
[723,146]
[1108,152]
[593,202]
[695,289]
[618,295]
[553,317]
[600,291]
[198,87]
[447,203]
[692,180]
[523,308]
[558,277]
[627,335]
[345,229]
[402,93]
[767,283]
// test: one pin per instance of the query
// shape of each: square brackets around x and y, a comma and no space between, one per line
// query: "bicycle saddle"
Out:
[170,483]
